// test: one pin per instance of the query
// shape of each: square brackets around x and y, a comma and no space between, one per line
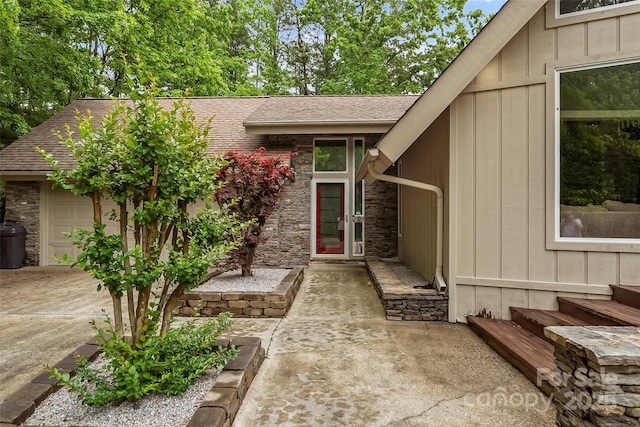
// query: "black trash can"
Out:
[12,238]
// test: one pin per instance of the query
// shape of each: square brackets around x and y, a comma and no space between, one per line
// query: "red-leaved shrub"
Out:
[255,182]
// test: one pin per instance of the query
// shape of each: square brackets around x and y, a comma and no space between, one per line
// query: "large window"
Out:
[576,6]
[598,176]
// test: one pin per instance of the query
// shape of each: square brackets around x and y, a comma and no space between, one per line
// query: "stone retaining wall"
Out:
[597,380]
[275,303]
[218,409]
[402,302]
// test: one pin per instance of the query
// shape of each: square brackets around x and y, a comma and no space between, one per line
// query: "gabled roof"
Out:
[240,123]
[513,16]
[325,114]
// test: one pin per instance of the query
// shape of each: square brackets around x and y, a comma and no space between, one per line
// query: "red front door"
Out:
[330,218]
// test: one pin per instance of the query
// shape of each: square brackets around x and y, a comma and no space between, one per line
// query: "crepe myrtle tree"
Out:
[152,163]
[251,185]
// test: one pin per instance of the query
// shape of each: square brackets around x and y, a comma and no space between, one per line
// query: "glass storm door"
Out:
[331,218]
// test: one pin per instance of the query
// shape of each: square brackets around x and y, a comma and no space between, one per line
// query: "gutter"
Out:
[24,175]
[372,155]
[386,122]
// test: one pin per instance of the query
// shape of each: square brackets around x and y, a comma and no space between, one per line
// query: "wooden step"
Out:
[536,320]
[600,312]
[625,294]
[532,355]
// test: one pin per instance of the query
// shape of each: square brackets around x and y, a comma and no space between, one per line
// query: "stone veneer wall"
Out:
[402,302]
[597,380]
[289,230]
[23,207]
[381,218]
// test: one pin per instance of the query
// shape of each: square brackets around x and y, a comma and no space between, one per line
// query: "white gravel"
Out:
[263,280]
[409,276]
[62,409]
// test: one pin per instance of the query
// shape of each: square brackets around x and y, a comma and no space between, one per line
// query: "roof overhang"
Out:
[459,74]
[24,175]
[319,127]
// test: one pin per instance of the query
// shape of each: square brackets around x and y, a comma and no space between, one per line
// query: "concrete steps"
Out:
[522,341]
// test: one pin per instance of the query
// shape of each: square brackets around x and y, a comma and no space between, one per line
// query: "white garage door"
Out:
[64,213]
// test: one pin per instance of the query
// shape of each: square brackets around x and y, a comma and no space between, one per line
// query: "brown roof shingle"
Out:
[331,109]
[227,128]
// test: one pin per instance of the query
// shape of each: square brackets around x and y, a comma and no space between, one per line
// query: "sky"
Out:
[488,6]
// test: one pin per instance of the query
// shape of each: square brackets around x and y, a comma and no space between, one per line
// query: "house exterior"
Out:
[494,133]
[322,213]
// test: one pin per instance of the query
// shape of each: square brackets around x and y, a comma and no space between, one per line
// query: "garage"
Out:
[63,212]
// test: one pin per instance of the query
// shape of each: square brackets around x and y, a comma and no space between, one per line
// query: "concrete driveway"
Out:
[334,361]
[44,315]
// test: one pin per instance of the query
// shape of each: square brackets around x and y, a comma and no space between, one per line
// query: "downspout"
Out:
[439,279]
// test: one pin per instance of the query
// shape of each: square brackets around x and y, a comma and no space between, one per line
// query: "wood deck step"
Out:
[536,320]
[625,294]
[600,312]
[523,349]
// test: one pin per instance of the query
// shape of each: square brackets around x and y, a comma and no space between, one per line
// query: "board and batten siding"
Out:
[499,130]
[427,160]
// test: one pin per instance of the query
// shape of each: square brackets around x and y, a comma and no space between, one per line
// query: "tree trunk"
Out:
[141,313]
[116,301]
[167,310]
[124,220]
[247,262]
[149,236]
[117,314]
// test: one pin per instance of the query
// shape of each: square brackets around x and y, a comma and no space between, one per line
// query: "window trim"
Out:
[354,172]
[553,239]
[346,147]
[554,19]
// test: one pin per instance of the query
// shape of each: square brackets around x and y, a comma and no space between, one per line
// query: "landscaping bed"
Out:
[404,302]
[218,408]
[250,303]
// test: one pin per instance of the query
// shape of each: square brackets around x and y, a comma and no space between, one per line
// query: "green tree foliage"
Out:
[364,47]
[600,144]
[166,364]
[153,163]
[56,51]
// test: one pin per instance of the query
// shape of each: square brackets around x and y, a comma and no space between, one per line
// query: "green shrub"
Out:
[166,364]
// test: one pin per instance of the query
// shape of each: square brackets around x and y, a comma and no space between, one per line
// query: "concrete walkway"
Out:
[336,361]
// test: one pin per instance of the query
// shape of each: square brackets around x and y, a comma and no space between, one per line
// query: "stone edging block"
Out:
[402,302]
[275,303]
[218,409]
[19,405]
